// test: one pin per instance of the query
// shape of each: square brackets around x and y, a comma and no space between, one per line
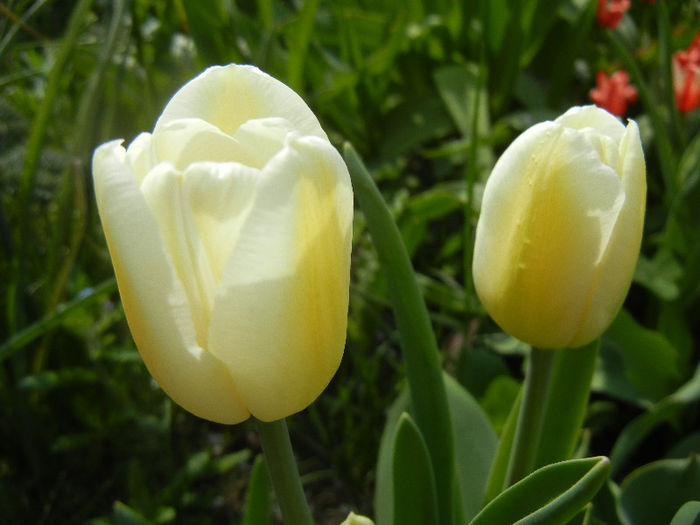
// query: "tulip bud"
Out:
[561,227]
[229,228]
[356,519]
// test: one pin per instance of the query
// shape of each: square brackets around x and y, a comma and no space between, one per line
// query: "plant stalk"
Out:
[284,473]
[532,410]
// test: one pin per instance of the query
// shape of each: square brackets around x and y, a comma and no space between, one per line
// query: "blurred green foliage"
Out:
[429,93]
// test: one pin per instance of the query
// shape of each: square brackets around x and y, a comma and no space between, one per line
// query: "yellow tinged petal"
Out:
[228,96]
[617,263]
[279,319]
[154,300]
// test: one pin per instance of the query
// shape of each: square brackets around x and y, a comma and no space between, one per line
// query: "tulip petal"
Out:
[593,117]
[534,263]
[154,301]
[186,141]
[617,263]
[228,96]
[199,213]
[279,319]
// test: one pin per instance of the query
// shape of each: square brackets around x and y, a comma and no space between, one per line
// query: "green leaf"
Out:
[458,86]
[35,330]
[637,364]
[418,343]
[688,514]
[551,495]
[258,505]
[665,410]
[125,515]
[654,493]
[475,445]
[53,379]
[415,499]
[499,467]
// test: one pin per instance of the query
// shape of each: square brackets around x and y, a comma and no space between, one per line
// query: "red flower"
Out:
[613,92]
[609,12]
[686,76]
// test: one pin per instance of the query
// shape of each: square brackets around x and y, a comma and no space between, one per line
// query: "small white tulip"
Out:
[561,227]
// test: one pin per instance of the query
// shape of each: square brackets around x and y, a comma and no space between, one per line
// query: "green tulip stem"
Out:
[532,410]
[284,472]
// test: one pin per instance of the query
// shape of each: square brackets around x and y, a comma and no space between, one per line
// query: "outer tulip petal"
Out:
[153,298]
[534,263]
[228,96]
[593,117]
[279,320]
[620,257]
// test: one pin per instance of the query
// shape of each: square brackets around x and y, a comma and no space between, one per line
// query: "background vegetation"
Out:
[429,93]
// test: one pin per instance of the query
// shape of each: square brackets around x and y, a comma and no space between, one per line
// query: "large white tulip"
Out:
[560,228]
[230,228]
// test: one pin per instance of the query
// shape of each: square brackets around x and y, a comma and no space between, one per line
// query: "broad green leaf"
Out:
[666,410]
[636,364]
[475,445]
[258,504]
[654,493]
[688,514]
[551,495]
[415,499]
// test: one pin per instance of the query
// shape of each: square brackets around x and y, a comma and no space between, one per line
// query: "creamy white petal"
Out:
[199,214]
[140,156]
[228,96]
[279,320]
[617,263]
[549,209]
[582,117]
[154,301]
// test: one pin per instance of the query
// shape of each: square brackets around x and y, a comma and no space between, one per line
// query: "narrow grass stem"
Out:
[284,473]
[527,432]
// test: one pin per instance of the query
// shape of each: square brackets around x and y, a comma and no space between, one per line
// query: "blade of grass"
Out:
[31,332]
[31,162]
[420,351]
[299,45]
[72,219]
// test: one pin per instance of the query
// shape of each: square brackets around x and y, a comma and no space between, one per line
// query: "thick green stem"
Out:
[567,402]
[284,472]
[527,432]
